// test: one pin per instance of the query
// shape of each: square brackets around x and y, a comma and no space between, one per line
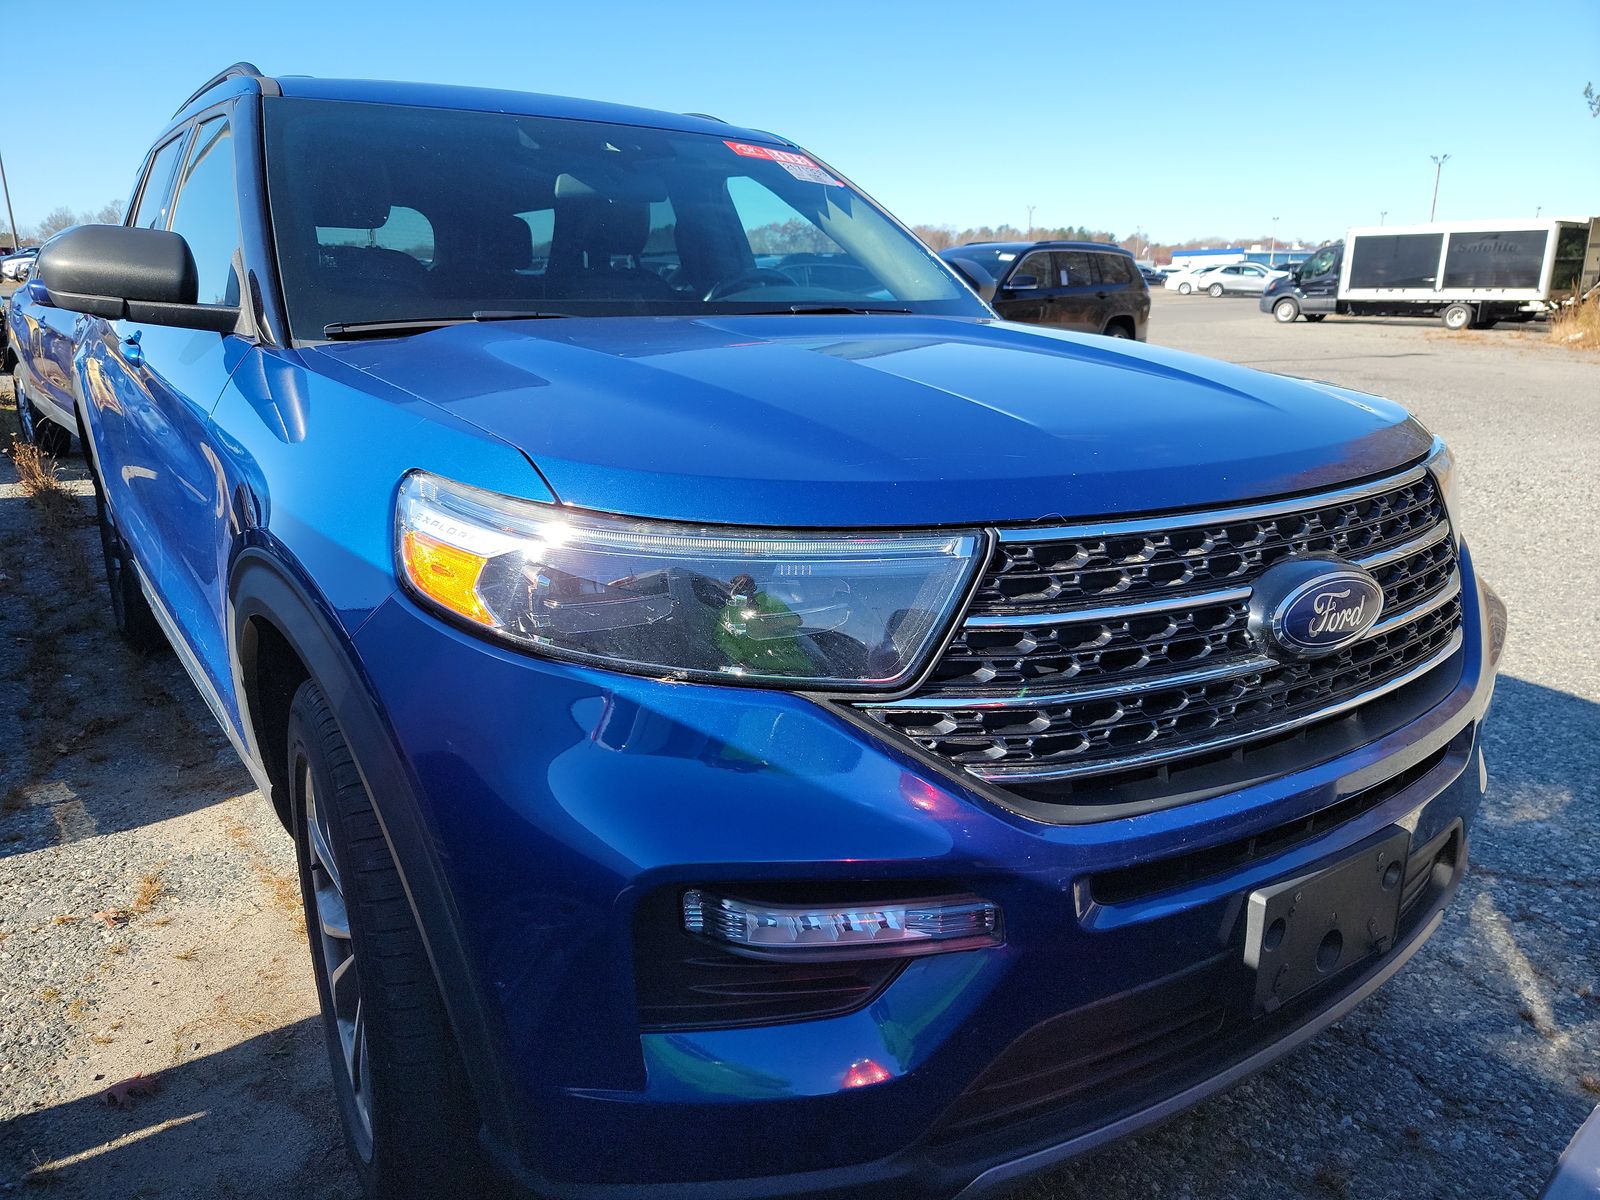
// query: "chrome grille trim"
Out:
[1112,612]
[1394,553]
[1131,761]
[1165,679]
[1106,612]
[1098,676]
[1124,687]
[1187,520]
[1438,600]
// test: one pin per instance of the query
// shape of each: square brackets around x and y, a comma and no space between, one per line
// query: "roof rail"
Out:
[240,69]
[706,117]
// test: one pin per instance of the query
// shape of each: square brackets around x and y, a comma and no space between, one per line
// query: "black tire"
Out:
[1314,317]
[1118,329]
[1184,289]
[27,415]
[130,611]
[411,1129]
[1286,310]
[1215,289]
[1457,317]
[38,430]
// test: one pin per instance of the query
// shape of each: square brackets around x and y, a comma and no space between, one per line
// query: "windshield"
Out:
[391,213]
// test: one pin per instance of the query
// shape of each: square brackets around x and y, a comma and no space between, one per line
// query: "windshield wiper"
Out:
[823,309]
[405,325]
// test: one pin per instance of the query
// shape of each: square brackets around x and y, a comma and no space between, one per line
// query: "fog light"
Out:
[843,931]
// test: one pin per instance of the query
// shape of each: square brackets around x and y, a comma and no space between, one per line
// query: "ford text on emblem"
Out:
[1306,607]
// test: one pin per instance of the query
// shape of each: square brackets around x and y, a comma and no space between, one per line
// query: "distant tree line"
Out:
[62,217]
[797,237]
[942,237]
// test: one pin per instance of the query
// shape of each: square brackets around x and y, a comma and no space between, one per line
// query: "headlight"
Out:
[730,605]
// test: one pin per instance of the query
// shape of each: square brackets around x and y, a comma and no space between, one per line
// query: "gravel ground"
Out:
[150,921]
[1462,1078]
[1466,1075]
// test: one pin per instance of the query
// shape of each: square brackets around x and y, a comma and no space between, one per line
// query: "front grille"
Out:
[1086,655]
[1147,562]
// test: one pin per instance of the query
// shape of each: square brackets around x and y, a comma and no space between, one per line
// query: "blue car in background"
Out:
[753,723]
[39,344]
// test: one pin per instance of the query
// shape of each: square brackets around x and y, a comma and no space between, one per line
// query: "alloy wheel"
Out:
[25,417]
[339,960]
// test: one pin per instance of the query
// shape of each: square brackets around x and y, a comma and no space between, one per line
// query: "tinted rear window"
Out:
[1114,268]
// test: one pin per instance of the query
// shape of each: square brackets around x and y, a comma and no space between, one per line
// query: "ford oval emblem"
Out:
[1312,606]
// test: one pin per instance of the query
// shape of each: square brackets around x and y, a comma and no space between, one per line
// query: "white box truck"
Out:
[1470,274]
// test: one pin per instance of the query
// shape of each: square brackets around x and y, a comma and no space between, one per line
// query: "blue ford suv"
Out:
[747,732]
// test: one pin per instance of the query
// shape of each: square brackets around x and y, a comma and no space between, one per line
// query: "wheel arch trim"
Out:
[263,587]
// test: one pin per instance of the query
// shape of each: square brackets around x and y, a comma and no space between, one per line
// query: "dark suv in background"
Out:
[1089,287]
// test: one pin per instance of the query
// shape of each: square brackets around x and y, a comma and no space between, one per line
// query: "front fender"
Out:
[267,588]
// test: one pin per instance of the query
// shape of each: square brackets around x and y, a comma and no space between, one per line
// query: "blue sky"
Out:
[1180,119]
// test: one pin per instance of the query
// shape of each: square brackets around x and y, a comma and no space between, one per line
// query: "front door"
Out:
[165,381]
[1319,280]
[1031,291]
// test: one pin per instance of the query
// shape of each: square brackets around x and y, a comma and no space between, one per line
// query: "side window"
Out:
[660,253]
[1077,267]
[1114,268]
[405,230]
[1319,263]
[206,212]
[151,210]
[1038,265]
[541,224]
[771,225]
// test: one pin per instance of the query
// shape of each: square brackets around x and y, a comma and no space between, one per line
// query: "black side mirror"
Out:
[117,272]
[976,276]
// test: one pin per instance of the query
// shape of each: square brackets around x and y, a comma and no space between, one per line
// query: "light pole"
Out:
[1272,250]
[16,237]
[1439,161]
[1031,207]
[1383,217]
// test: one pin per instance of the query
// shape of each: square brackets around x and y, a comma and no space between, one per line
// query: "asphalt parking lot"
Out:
[150,929]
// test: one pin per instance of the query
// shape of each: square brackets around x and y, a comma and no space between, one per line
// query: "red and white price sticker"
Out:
[798,165]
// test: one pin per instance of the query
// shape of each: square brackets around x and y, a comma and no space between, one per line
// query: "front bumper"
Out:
[561,800]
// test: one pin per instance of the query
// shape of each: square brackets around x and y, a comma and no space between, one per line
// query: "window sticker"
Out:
[798,165]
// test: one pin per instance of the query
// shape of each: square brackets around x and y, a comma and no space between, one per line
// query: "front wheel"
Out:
[409,1120]
[1285,311]
[1184,289]
[1215,289]
[1458,316]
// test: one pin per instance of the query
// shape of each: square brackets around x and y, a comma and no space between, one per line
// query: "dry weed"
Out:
[1578,327]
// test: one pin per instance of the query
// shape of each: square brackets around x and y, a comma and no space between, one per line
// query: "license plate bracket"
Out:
[1303,931]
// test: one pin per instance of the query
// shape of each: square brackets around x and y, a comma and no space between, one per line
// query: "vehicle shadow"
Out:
[256,1119]
[97,738]
[1489,1038]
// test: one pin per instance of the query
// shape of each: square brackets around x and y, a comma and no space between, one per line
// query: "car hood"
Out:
[882,420]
